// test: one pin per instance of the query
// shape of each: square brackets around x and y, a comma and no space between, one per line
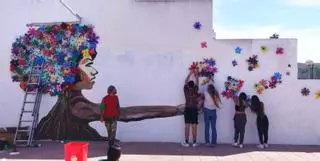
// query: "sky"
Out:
[261,18]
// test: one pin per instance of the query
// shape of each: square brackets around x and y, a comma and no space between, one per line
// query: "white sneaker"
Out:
[241,146]
[208,144]
[260,146]
[195,144]
[266,146]
[184,144]
[235,144]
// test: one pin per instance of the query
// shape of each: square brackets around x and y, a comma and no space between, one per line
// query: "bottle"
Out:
[74,158]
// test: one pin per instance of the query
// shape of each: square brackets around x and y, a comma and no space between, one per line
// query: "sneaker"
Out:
[195,144]
[184,144]
[266,146]
[235,144]
[208,144]
[260,146]
[241,146]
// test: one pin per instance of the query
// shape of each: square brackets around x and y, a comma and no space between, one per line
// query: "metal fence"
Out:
[306,71]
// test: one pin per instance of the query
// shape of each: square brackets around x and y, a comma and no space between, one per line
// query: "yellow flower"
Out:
[318,94]
[85,53]
[264,48]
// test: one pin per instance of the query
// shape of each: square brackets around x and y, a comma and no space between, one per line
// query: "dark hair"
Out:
[257,106]
[242,99]
[214,93]
[111,88]
[114,153]
[191,84]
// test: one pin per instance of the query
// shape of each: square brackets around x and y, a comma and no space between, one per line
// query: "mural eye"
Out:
[89,64]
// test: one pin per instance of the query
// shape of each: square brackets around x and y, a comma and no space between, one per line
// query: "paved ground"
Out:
[174,152]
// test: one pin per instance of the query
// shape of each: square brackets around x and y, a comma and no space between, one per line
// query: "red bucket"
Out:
[76,151]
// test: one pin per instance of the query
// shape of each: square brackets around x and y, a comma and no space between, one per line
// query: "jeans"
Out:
[210,118]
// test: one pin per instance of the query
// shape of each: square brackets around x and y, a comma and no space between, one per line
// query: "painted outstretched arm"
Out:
[89,111]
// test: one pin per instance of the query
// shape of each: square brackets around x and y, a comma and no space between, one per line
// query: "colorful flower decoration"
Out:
[237,50]
[232,87]
[318,94]
[263,48]
[261,86]
[59,48]
[266,84]
[204,44]
[252,62]
[207,67]
[275,79]
[305,91]
[197,25]
[280,51]
[234,63]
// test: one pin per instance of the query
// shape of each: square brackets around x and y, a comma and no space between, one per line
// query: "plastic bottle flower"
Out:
[232,87]
[263,48]
[197,25]
[280,51]
[305,91]
[252,62]
[234,63]
[318,94]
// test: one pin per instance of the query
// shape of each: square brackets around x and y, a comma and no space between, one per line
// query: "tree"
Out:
[67,52]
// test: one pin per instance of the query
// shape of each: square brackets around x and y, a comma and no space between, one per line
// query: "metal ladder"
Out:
[30,108]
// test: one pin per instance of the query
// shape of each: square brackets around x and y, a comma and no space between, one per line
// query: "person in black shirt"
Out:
[262,121]
[239,119]
[191,110]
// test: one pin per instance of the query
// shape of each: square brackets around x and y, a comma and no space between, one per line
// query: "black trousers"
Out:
[263,127]
[240,121]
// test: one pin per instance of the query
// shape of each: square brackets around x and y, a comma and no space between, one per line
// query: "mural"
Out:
[67,52]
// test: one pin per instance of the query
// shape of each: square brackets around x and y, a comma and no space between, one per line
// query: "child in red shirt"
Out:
[110,112]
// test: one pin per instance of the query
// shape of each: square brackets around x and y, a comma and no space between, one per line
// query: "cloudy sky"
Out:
[261,18]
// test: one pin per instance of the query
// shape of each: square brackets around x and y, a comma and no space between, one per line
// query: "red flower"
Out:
[204,44]
[22,62]
[279,51]
[92,52]
[12,68]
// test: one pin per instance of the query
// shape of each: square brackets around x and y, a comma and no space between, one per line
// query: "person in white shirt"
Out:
[211,103]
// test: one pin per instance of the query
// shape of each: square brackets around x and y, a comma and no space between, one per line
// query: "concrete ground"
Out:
[54,151]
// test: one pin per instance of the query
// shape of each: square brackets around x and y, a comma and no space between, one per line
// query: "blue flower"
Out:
[197,25]
[238,50]
[211,62]
[278,76]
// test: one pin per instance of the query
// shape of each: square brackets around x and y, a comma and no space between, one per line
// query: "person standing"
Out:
[191,110]
[211,103]
[240,119]
[110,113]
[262,121]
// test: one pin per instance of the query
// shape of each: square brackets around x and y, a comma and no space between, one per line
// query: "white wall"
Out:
[145,50]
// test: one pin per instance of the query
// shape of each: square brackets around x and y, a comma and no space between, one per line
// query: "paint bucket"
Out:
[76,151]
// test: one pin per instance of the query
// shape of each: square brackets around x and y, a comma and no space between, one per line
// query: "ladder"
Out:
[29,115]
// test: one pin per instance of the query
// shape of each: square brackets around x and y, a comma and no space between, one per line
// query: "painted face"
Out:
[87,74]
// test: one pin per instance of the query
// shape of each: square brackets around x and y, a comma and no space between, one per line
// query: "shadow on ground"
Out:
[55,150]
